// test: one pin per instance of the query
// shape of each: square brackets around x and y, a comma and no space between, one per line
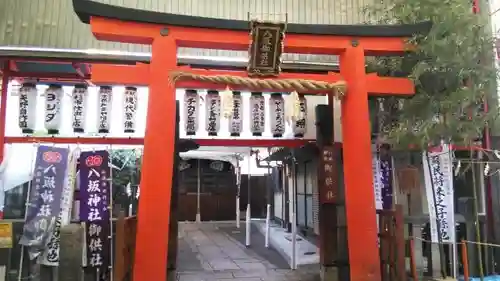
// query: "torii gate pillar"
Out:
[362,236]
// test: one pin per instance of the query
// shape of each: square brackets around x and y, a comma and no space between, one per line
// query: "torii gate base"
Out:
[167,32]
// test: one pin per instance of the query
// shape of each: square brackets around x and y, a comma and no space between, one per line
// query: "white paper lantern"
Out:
[257,114]
[191,111]
[299,124]
[277,114]
[104,109]
[129,109]
[236,119]
[53,104]
[27,107]
[79,100]
[213,112]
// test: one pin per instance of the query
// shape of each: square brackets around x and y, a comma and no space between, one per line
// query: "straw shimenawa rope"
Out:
[299,85]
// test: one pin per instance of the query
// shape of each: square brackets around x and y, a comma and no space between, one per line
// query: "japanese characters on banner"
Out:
[327,176]
[385,163]
[95,195]
[377,182]
[53,104]
[27,107]
[439,190]
[382,181]
[79,100]
[50,256]
[191,111]
[104,109]
[257,114]
[299,125]
[45,198]
[236,120]
[277,112]
[213,112]
[129,109]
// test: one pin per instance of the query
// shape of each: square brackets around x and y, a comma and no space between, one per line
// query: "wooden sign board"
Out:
[328,182]
[266,47]
[6,235]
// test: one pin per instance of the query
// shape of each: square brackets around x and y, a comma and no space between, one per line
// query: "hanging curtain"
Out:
[236,120]
[191,111]
[104,109]
[299,124]
[129,109]
[27,107]
[53,104]
[213,112]
[79,98]
[277,112]
[257,114]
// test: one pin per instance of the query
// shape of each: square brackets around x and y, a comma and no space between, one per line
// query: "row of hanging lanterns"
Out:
[228,104]
[215,111]
[79,99]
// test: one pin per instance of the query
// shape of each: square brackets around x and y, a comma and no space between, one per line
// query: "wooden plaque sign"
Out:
[328,183]
[266,47]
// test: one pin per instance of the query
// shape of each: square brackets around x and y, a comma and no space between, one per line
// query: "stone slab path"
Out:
[206,253]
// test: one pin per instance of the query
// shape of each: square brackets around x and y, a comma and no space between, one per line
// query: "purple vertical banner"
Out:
[386,181]
[44,199]
[94,203]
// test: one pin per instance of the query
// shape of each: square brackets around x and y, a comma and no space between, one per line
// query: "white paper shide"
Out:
[236,120]
[439,190]
[191,112]
[277,112]
[213,112]
[79,101]
[27,107]
[104,109]
[129,109]
[257,114]
[53,104]
[299,124]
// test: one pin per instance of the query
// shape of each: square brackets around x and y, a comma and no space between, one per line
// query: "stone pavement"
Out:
[206,253]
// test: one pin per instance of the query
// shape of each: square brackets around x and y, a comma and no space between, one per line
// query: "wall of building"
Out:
[53,24]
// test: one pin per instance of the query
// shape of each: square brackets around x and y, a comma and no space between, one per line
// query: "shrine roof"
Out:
[85,9]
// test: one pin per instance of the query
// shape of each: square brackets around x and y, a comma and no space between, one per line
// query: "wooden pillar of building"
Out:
[158,166]
[174,214]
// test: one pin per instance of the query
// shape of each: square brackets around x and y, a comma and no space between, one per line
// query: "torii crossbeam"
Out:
[166,32]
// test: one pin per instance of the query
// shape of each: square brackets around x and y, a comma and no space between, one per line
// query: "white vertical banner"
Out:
[50,256]
[104,109]
[129,109]
[277,114]
[79,102]
[439,190]
[213,112]
[236,119]
[27,107]
[257,114]
[377,181]
[191,112]
[299,125]
[53,106]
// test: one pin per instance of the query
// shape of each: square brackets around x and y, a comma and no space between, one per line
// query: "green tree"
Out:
[453,70]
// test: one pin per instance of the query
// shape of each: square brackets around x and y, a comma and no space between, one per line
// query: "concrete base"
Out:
[171,275]
[329,273]
[70,253]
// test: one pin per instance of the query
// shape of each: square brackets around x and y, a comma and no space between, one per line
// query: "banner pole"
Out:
[110,207]
[27,205]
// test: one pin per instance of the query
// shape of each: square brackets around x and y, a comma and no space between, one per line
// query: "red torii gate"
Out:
[166,32]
